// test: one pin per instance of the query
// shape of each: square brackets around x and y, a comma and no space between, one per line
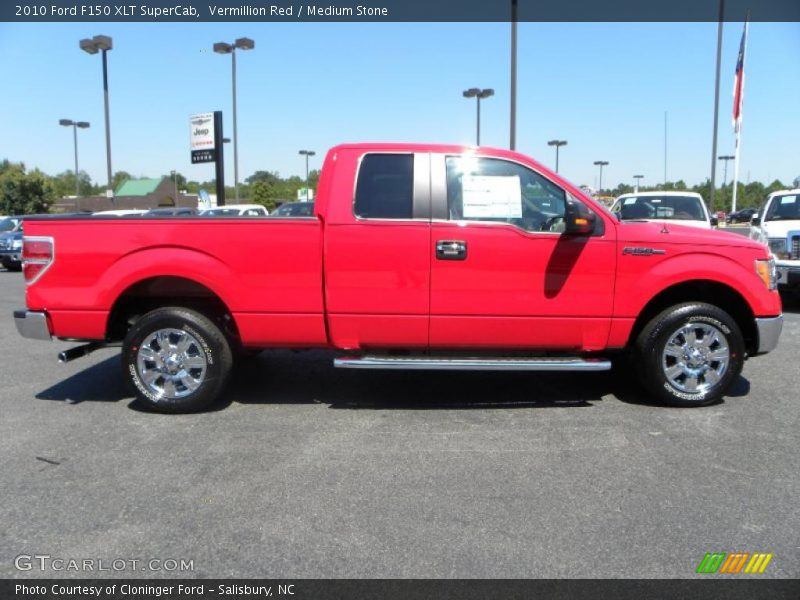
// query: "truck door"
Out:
[377,265]
[503,274]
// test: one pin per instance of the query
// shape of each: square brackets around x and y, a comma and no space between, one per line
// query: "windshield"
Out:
[678,208]
[8,224]
[784,208]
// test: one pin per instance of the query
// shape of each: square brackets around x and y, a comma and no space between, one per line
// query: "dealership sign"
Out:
[201,138]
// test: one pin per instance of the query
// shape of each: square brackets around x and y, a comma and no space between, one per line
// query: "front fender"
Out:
[636,285]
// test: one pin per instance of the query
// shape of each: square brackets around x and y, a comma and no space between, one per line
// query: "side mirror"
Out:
[579,220]
[714,222]
[755,221]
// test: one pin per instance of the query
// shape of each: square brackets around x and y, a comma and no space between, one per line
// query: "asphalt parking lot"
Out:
[312,472]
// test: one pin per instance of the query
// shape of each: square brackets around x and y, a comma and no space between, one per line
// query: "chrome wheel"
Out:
[695,357]
[171,363]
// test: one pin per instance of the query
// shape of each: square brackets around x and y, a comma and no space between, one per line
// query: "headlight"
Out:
[778,247]
[767,272]
[16,245]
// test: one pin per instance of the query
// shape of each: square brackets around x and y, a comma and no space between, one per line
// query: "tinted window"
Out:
[680,208]
[300,209]
[385,186]
[786,208]
[490,189]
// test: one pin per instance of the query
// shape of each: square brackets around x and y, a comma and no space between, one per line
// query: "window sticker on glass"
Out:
[788,199]
[628,201]
[491,197]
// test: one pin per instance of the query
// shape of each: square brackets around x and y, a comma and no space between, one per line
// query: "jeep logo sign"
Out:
[201,137]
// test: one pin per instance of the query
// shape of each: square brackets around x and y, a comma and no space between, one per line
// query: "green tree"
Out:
[24,193]
[262,193]
[119,177]
[64,184]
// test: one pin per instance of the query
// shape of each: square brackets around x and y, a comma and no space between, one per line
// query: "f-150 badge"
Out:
[638,251]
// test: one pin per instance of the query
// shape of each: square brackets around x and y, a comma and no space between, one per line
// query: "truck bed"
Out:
[267,272]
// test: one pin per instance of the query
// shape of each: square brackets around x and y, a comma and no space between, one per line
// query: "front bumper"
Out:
[32,324]
[788,274]
[11,257]
[769,331]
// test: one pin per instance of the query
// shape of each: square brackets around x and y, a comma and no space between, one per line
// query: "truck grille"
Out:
[4,245]
[794,247]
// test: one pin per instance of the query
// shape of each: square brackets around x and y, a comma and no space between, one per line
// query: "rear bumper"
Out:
[32,324]
[769,331]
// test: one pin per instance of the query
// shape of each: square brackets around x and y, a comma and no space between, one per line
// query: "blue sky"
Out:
[604,87]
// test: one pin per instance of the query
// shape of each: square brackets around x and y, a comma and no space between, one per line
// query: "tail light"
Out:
[37,256]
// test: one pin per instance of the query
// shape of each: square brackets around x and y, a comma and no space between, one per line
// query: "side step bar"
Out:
[435,363]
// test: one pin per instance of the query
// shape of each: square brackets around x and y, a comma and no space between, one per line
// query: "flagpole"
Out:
[736,166]
[738,125]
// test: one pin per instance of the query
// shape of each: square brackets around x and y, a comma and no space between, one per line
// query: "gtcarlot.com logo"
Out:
[734,563]
[46,562]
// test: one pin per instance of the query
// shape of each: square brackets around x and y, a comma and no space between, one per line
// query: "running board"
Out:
[435,363]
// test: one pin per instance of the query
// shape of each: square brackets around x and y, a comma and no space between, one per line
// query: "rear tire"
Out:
[176,360]
[690,354]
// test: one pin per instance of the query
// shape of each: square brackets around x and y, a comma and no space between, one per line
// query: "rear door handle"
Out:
[451,250]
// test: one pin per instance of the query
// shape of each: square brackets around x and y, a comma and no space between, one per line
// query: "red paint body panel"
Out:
[344,282]
[515,286]
[79,324]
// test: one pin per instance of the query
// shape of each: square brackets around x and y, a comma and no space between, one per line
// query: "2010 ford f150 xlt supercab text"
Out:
[417,257]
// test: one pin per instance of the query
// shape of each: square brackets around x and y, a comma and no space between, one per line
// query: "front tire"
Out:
[690,354]
[176,360]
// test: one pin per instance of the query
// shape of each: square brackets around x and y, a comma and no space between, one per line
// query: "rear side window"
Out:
[385,185]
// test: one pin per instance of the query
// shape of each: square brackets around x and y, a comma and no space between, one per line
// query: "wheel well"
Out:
[149,294]
[710,292]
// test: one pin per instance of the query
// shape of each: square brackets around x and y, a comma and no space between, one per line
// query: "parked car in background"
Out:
[236,210]
[741,216]
[10,224]
[172,212]
[10,250]
[130,212]
[683,208]
[294,209]
[777,226]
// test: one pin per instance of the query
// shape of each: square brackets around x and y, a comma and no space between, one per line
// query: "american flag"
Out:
[738,83]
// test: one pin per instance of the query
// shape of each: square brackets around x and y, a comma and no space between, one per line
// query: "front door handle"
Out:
[451,250]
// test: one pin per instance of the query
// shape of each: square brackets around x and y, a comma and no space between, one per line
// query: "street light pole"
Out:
[75,125]
[513,124]
[601,164]
[223,48]
[175,185]
[557,144]
[638,179]
[726,158]
[103,43]
[307,153]
[478,94]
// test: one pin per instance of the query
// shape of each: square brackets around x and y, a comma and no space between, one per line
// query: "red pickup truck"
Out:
[416,257]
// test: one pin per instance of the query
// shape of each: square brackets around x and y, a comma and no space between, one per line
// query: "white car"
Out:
[131,212]
[236,210]
[777,225]
[681,208]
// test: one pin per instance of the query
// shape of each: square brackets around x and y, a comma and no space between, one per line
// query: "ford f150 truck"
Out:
[416,257]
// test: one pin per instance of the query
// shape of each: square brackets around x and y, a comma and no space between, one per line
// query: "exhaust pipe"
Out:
[79,351]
